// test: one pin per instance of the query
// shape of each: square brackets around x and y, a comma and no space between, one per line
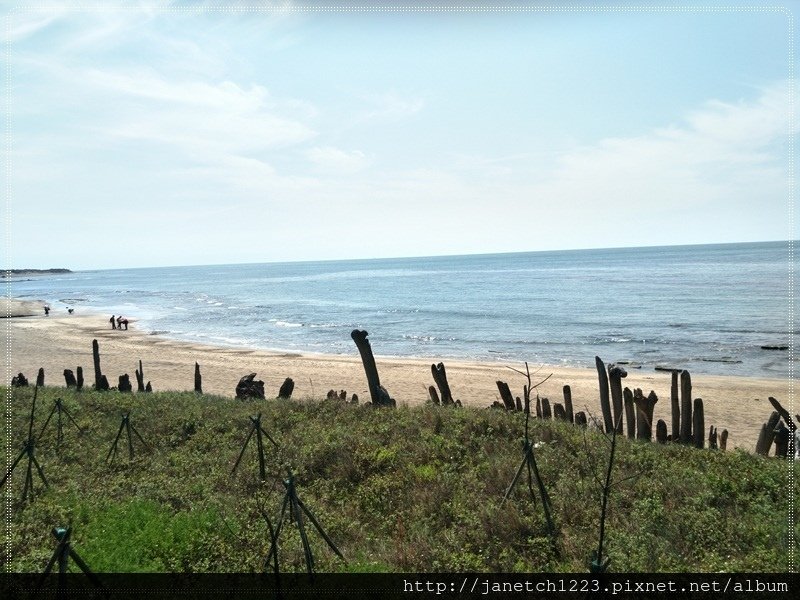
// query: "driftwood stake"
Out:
[723,440]
[644,414]
[507,397]
[198,379]
[79,378]
[440,378]
[434,395]
[676,407]
[580,419]
[661,432]
[605,403]
[686,408]
[69,377]
[285,393]
[40,377]
[630,412]
[379,395]
[568,403]
[140,377]
[546,412]
[698,423]
[96,359]
[615,375]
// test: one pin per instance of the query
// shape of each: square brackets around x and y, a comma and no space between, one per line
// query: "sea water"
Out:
[708,308]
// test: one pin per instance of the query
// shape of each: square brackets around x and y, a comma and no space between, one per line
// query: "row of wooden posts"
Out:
[616,402]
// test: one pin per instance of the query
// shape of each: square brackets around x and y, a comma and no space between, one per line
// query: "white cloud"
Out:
[339,161]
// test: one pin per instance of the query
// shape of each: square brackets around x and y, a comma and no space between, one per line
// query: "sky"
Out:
[176,133]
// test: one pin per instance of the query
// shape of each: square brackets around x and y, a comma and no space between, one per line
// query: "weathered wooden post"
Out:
[686,408]
[698,423]
[124,384]
[772,423]
[506,396]
[140,377]
[559,413]
[781,435]
[198,379]
[79,378]
[580,419]
[761,444]
[568,403]
[285,393]
[615,375]
[518,404]
[676,406]
[644,417]
[723,440]
[630,415]
[712,438]
[99,384]
[440,378]
[661,432]
[248,387]
[605,403]
[434,395]
[379,395]
[40,377]
[69,377]
[546,412]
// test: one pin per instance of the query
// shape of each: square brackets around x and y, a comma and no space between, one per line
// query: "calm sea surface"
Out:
[706,308]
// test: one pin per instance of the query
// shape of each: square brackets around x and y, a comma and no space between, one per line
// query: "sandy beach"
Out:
[58,342]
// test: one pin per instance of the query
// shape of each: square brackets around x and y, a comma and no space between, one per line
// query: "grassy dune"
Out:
[411,489]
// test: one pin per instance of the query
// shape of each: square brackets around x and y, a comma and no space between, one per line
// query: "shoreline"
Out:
[738,404]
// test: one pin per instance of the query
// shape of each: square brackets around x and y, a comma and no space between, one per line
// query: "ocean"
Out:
[708,308]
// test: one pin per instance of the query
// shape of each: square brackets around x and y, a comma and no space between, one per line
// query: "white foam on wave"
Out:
[286,324]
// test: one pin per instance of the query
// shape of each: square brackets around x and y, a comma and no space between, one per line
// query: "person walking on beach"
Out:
[113,324]
[119,322]
[46,311]
[125,322]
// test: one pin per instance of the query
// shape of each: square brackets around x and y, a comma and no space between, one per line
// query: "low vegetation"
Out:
[406,489]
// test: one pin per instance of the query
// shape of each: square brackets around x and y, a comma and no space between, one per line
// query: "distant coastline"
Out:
[25,272]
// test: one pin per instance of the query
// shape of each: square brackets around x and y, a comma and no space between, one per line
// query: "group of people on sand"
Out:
[119,322]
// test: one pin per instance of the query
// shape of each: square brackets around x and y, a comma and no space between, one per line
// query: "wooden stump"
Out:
[69,377]
[97,373]
[286,389]
[148,388]
[769,435]
[546,413]
[781,436]
[580,419]
[761,443]
[198,379]
[712,438]
[379,395]
[615,376]
[40,377]
[140,377]
[661,432]
[630,412]
[79,378]
[698,423]
[686,408]
[124,384]
[103,385]
[644,414]
[434,395]
[248,388]
[506,396]
[676,407]
[559,413]
[19,380]
[440,378]
[723,440]
[568,403]
[605,403]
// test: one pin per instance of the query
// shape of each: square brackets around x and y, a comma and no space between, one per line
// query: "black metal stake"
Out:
[62,554]
[58,409]
[28,449]
[259,431]
[126,425]
[296,511]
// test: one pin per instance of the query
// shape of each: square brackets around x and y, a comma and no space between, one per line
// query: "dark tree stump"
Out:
[761,443]
[781,435]
[379,395]
[723,440]
[124,384]
[19,380]
[676,407]
[518,404]
[783,413]
[615,376]
[559,413]
[630,412]
[434,395]
[287,388]
[330,395]
[769,437]
[198,379]
[546,412]
[79,378]
[568,404]
[580,419]
[506,396]
[104,387]
[148,388]
[69,377]
[40,377]
[140,378]
[440,378]
[698,423]
[343,395]
[661,432]
[354,399]
[97,372]
[605,403]
[538,407]
[644,414]
[686,408]
[712,438]
[249,388]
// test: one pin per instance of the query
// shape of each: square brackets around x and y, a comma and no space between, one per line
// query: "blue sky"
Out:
[148,136]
